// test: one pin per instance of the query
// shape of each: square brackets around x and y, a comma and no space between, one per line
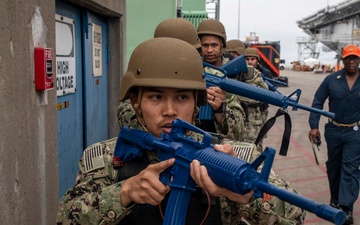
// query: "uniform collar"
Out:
[341,78]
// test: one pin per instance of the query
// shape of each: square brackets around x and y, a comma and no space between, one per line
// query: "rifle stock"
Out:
[235,66]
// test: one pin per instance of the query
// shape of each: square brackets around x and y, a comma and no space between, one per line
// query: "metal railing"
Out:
[195,17]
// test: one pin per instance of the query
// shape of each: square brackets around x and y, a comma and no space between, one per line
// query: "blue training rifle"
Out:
[238,65]
[225,170]
[270,83]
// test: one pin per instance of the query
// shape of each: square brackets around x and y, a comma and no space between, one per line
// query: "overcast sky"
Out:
[272,20]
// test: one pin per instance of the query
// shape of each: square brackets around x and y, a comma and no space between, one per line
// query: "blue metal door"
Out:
[82,98]
[95,79]
[69,86]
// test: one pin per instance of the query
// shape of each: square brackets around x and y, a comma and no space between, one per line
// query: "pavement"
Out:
[299,166]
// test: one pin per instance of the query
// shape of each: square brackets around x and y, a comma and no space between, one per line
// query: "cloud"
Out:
[273,20]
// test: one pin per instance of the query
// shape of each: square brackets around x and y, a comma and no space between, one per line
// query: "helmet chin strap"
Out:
[196,108]
[138,111]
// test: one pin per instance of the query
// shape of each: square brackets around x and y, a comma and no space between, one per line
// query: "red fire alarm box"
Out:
[44,75]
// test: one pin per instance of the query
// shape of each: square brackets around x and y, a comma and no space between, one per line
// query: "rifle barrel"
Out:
[321,210]
[259,94]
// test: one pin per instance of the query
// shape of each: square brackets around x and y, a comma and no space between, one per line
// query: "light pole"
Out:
[217,12]
[239,21]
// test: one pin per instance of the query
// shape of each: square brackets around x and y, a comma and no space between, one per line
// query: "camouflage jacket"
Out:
[253,77]
[95,198]
[234,116]
[126,115]
[246,109]
[255,115]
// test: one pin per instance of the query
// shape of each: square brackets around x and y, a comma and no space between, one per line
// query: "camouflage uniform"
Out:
[126,115]
[244,108]
[234,115]
[265,211]
[256,116]
[253,120]
[95,197]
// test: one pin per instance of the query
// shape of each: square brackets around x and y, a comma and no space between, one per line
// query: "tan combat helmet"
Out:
[178,28]
[165,62]
[252,52]
[235,46]
[212,27]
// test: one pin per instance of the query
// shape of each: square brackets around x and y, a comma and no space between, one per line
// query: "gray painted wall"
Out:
[28,119]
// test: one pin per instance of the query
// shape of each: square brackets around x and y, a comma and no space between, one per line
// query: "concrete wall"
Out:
[28,119]
[28,134]
[117,65]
